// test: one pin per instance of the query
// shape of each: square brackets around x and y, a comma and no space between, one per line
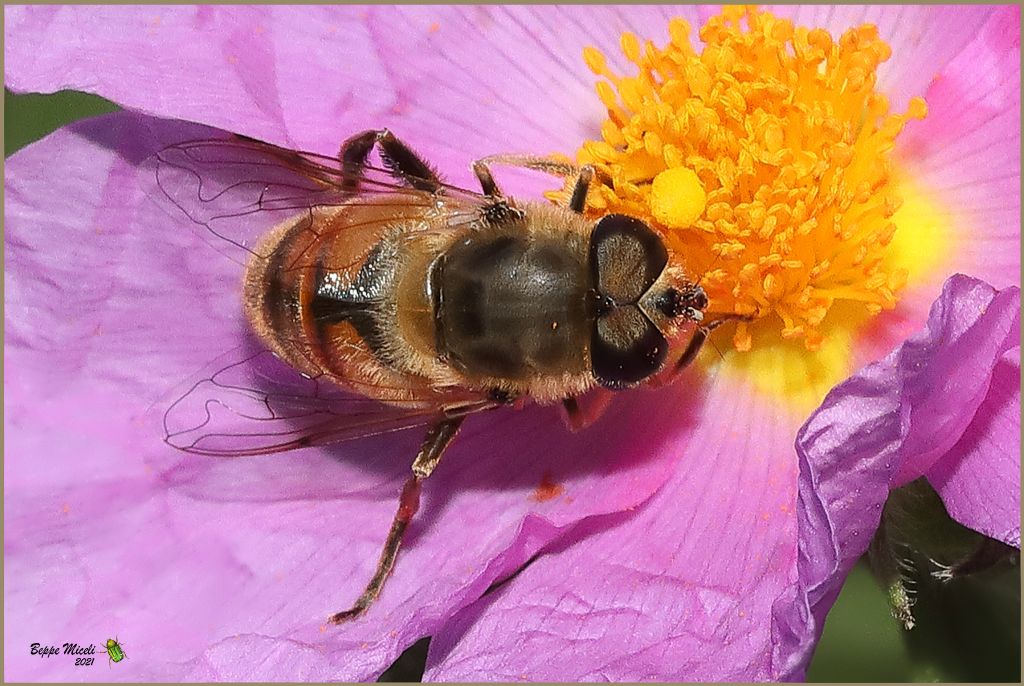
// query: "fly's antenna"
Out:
[711,267]
[721,355]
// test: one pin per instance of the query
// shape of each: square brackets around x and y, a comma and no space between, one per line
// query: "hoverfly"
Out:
[398,300]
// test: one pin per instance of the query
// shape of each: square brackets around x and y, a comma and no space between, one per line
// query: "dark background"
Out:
[967,630]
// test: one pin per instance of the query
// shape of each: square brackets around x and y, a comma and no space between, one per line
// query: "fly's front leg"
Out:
[583,175]
[433,447]
[398,157]
[700,337]
[486,179]
[542,164]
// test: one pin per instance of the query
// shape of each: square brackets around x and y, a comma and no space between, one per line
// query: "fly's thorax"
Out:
[510,302]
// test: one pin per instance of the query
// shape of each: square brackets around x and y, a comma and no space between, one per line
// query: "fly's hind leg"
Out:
[399,158]
[433,447]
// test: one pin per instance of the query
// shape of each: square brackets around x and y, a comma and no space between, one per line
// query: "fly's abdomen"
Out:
[314,300]
[511,306]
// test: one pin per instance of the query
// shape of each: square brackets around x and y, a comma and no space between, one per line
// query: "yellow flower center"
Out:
[764,160]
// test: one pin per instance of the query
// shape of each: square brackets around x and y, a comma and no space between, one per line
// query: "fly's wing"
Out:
[251,403]
[235,189]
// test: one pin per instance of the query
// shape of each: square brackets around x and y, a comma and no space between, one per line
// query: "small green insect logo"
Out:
[115,652]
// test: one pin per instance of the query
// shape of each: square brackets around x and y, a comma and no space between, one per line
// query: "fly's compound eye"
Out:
[626,258]
[625,348]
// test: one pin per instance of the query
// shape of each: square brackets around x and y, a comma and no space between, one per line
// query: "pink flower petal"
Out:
[192,562]
[681,590]
[966,154]
[473,81]
[964,161]
[300,76]
[461,83]
[923,38]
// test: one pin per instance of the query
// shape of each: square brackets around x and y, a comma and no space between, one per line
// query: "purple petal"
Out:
[884,426]
[979,478]
[211,569]
[978,326]
[681,590]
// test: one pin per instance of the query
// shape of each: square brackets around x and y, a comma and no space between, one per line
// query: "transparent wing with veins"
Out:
[252,403]
[235,190]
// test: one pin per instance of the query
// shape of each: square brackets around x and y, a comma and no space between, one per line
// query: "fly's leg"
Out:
[398,157]
[578,200]
[584,175]
[482,169]
[487,183]
[700,336]
[434,445]
[579,416]
[542,164]
[573,413]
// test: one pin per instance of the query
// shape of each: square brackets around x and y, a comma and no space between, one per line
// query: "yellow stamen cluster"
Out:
[763,158]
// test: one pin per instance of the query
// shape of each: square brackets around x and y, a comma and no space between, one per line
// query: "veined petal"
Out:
[680,590]
[923,38]
[198,565]
[886,425]
[457,82]
[477,80]
[964,159]
[960,178]
[272,73]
